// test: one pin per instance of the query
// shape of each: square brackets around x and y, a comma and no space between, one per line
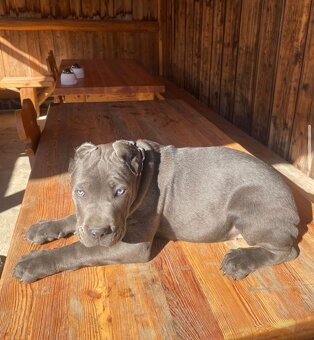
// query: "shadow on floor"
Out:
[14,173]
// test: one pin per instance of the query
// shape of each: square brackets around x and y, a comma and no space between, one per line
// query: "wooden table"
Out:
[109,80]
[181,293]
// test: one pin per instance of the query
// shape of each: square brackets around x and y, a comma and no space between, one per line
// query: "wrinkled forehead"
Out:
[100,164]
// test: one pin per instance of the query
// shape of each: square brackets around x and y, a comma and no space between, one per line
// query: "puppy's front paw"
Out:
[237,264]
[34,266]
[43,231]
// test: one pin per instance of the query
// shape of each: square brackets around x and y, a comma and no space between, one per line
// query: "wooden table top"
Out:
[109,76]
[181,293]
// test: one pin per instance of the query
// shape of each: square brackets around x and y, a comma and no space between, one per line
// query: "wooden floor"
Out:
[181,293]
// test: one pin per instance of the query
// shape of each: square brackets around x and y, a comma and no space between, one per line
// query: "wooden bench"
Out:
[181,293]
[28,86]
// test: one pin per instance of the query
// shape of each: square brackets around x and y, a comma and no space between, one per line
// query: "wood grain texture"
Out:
[41,81]
[245,60]
[245,75]
[91,9]
[109,77]
[27,127]
[207,34]
[216,53]
[181,293]
[291,54]
[29,58]
[78,25]
[271,16]
[188,50]
[303,128]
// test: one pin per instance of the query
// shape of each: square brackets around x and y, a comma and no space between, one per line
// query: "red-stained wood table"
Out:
[109,80]
[181,293]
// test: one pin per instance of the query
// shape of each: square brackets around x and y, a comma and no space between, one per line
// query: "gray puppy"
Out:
[126,193]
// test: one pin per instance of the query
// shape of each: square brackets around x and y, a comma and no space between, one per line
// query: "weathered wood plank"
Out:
[229,57]
[181,293]
[245,76]
[189,43]
[179,42]
[14,53]
[36,65]
[193,318]
[78,25]
[197,36]
[42,81]
[141,9]
[301,151]
[216,54]
[271,17]
[30,93]
[207,50]
[291,55]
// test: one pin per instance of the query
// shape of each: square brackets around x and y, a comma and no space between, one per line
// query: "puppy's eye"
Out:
[80,193]
[120,192]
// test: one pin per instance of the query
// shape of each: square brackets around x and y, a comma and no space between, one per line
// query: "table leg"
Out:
[31,93]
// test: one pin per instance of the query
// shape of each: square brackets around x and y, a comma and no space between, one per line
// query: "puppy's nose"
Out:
[99,233]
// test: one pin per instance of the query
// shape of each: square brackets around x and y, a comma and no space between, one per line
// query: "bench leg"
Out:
[31,93]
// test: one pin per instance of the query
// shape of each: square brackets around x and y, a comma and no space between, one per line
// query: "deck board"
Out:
[181,293]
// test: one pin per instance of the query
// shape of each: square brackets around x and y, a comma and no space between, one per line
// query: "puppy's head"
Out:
[104,182]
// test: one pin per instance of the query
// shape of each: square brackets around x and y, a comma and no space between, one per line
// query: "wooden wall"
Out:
[80,9]
[252,61]
[23,53]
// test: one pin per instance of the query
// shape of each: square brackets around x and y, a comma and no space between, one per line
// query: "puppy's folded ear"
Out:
[129,154]
[80,152]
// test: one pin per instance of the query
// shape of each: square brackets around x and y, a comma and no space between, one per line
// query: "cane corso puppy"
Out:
[126,193]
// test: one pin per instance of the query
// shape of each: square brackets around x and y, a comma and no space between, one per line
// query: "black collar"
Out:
[141,151]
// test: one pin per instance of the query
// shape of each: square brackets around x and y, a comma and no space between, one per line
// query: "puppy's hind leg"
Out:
[273,247]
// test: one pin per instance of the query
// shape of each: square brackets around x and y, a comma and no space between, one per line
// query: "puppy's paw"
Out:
[42,232]
[34,266]
[237,263]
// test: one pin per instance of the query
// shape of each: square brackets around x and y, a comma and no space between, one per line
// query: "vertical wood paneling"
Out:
[76,8]
[207,35]
[188,51]
[179,41]
[35,63]
[229,57]
[245,77]
[216,53]
[139,9]
[197,47]
[246,60]
[271,16]
[304,117]
[168,51]
[295,25]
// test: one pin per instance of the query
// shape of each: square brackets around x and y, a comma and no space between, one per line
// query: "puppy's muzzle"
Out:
[99,233]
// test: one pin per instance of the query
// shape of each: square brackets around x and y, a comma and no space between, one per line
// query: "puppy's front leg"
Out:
[42,263]
[46,231]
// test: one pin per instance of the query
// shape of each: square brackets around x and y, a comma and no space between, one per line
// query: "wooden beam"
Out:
[19,82]
[78,25]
